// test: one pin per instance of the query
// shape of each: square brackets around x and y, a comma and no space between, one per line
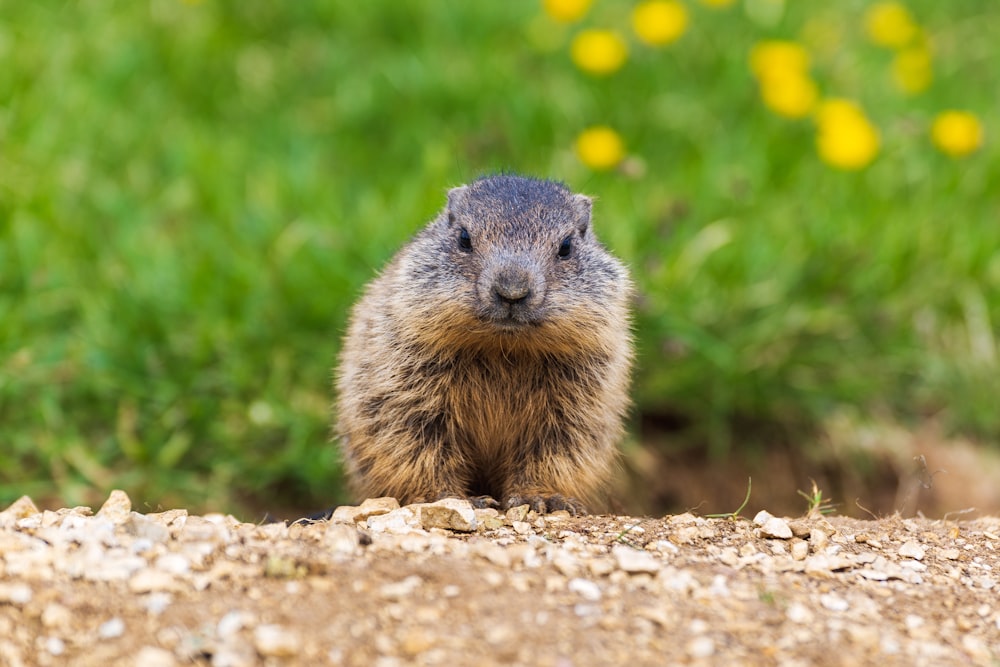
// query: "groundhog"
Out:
[490,360]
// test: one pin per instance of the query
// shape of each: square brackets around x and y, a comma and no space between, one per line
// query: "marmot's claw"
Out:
[484,502]
[547,503]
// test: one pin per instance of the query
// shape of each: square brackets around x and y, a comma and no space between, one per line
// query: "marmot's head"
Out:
[514,261]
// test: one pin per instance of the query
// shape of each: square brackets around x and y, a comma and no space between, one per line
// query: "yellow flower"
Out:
[778,57]
[846,138]
[598,51]
[659,22]
[791,95]
[911,69]
[717,3]
[566,11]
[890,24]
[957,133]
[782,69]
[600,147]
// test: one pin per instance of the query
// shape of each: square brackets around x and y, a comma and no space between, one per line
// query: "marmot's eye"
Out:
[566,247]
[464,240]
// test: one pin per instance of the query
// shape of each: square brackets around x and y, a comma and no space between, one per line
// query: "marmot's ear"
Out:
[456,197]
[582,205]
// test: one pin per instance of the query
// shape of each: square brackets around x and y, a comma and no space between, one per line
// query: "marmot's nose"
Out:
[512,285]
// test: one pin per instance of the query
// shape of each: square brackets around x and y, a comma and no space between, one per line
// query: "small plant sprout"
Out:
[735,514]
[817,506]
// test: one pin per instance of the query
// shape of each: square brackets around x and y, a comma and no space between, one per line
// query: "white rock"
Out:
[15,593]
[275,641]
[701,647]
[402,588]
[55,646]
[633,560]
[585,588]
[152,656]
[399,522]
[148,580]
[233,622]
[114,627]
[449,514]
[776,528]
[174,563]
[116,508]
[762,517]
[833,602]
[912,549]
[799,613]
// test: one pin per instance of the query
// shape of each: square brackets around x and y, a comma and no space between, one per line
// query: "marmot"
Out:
[490,360]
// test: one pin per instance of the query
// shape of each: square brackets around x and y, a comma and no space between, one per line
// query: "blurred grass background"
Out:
[192,194]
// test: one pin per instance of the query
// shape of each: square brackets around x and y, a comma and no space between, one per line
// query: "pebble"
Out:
[448,514]
[912,549]
[585,588]
[112,628]
[153,656]
[633,560]
[833,602]
[276,641]
[117,508]
[772,526]
[15,593]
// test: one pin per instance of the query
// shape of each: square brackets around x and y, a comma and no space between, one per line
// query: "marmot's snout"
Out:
[513,291]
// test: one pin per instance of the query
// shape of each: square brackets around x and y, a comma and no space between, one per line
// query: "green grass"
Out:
[192,195]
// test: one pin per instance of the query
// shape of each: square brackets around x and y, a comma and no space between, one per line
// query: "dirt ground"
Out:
[444,584]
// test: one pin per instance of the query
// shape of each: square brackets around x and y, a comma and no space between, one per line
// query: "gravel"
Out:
[446,584]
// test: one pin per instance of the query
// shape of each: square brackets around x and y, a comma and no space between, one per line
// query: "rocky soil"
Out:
[444,584]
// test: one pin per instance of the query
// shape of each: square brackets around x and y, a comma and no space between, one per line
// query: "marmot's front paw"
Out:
[547,503]
[484,502]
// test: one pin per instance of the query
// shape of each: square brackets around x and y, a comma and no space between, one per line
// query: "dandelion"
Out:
[659,22]
[600,147]
[778,57]
[782,70]
[846,139]
[890,24]
[957,133]
[912,70]
[598,51]
[792,95]
[566,11]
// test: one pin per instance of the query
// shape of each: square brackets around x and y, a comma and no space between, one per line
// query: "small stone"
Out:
[397,522]
[342,538]
[144,528]
[173,563]
[799,613]
[800,549]
[21,508]
[233,622]
[15,593]
[519,513]
[585,588]
[346,514]
[776,528]
[800,528]
[449,514]
[833,602]
[275,641]
[401,589]
[912,549]
[634,560]
[600,567]
[521,527]
[415,642]
[152,656]
[55,646]
[116,508]
[149,580]
[818,538]
[376,506]
[950,554]
[701,647]
[56,616]
[762,517]
[111,628]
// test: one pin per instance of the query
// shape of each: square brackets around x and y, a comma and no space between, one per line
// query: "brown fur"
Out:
[499,370]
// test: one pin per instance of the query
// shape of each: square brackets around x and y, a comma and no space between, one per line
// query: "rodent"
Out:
[490,359]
